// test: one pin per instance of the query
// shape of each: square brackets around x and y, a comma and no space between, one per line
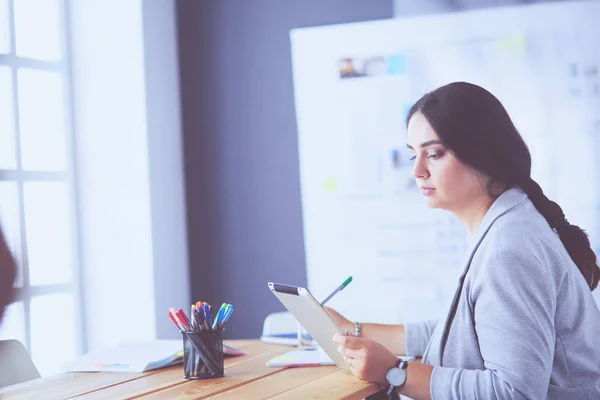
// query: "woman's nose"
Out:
[419,169]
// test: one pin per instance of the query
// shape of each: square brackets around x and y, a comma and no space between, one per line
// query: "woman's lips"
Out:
[427,191]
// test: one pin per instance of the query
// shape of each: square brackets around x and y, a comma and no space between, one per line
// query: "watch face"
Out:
[396,376]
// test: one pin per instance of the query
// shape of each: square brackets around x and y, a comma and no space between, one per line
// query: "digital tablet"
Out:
[313,318]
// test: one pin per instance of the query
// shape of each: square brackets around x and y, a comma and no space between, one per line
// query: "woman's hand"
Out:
[339,319]
[368,360]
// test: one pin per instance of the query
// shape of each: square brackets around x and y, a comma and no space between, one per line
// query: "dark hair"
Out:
[477,129]
[7,276]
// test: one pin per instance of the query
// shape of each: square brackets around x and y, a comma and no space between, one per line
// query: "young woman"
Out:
[523,323]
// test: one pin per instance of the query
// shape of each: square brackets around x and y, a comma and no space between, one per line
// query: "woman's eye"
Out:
[413,158]
[435,156]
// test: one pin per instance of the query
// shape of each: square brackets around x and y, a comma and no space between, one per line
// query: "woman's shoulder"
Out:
[522,239]
[524,228]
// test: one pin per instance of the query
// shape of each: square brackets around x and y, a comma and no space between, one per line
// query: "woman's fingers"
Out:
[357,367]
[352,342]
[368,360]
[349,352]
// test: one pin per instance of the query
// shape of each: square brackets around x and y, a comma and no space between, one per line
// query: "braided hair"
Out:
[477,129]
[573,237]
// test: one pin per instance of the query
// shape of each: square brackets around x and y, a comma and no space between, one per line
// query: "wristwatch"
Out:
[396,376]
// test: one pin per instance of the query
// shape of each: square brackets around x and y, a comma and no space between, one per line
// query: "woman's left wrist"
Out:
[390,364]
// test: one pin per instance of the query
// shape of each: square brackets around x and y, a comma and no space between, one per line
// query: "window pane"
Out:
[42,120]
[37,29]
[10,221]
[8,150]
[13,324]
[52,331]
[47,229]
[4,28]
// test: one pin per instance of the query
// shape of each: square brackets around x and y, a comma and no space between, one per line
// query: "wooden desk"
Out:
[246,377]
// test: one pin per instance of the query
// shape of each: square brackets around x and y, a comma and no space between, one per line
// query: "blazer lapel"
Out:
[503,204]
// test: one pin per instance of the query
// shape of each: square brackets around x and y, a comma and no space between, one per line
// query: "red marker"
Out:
[175,321]
[183,318]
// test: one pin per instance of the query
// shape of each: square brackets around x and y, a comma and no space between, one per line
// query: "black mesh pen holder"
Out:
[203,354]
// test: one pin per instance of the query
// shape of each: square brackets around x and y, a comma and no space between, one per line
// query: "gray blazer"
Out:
[524,324]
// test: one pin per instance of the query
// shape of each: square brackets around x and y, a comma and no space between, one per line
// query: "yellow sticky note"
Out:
[331,185]
[512,43]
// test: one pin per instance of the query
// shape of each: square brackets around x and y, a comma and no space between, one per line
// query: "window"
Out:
[37,185]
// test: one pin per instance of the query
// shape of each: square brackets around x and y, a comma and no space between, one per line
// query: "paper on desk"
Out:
[232,351]
[132,356]
[301,358]
[136,356]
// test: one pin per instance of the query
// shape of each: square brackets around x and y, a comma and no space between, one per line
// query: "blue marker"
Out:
[225,314]
[207,315]
[219,316]
[228,313]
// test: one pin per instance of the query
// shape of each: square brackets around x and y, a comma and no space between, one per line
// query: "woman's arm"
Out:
[514,300]
[391,336]
[401,339]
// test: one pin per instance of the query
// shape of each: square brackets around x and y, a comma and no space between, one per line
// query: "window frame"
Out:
[26,292]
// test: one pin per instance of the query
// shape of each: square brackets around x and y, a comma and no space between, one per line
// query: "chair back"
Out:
[279,322]
[15,363]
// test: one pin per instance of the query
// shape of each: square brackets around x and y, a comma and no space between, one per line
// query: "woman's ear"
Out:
[496,187]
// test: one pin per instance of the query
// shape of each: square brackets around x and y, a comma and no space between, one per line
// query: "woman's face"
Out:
[445,182]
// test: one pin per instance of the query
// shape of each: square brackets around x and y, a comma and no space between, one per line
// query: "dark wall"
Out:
[241,161]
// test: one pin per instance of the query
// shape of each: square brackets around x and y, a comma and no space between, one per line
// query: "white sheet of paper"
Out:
[134,356]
